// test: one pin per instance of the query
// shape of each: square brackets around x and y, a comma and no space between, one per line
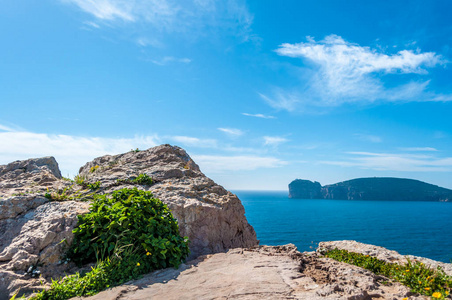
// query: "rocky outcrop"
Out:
[381,253]
[212,218]
[30,176]
[398,189]
[305,189]
[32,227]
[264,272]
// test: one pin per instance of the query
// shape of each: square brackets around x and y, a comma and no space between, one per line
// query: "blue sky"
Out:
[258,92]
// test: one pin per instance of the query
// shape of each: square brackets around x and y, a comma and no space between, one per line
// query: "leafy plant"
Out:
[147,221]
[143,179]
[94,186]
[128,233]
[136,150]
[415,275]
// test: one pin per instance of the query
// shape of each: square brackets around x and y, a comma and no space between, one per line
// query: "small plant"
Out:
[80,180]
[59,195]
[136,150]
[415,275]
[94,186]
[67,179]
[93,169]
[143,179]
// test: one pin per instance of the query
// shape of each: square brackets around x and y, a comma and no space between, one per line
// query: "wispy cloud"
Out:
[274,140]
[342,72]
[218,164]
[5,128]
[193,141]
[419,149]
[71,152]
[282,100]
[168,59]
[233,132]
[369,138]
[404,162]
[258,116]
[172,15]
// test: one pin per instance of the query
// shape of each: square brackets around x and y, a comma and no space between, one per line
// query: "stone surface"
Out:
[259,273]
[382,254]
[30,176]
[212,218]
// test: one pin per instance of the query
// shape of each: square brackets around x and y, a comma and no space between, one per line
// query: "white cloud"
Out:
[71,152]
[172,15]
[282,100]
[194,142]
[168,59]
[218,164]
[274,140]
[369,138]
[5,128]
[419,149]
[342,72]
[233,132]
[395,162]
[259,116]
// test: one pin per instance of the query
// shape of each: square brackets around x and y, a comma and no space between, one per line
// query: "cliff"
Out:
[383,188]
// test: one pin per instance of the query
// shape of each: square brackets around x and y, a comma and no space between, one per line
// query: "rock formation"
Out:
[32,227]
[398,189]
[210,216]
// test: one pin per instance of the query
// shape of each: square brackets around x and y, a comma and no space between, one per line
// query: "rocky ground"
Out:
[260,273]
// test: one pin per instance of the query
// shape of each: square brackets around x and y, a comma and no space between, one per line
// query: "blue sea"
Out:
[417,228]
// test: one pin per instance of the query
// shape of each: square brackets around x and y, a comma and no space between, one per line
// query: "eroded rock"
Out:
[212,218]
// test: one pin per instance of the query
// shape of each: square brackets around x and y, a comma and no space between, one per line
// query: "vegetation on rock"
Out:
[128,233]
[415,275]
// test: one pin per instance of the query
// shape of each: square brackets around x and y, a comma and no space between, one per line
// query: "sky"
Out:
[258,92]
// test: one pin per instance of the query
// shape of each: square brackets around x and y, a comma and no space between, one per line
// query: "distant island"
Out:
[375,188]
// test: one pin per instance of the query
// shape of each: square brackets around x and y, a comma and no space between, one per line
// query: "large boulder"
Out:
[35,232]
[212,218]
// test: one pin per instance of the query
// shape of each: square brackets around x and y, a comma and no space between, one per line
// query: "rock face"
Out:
[31,175]
[264,272]
[31,227]
[398,189]
[212,218]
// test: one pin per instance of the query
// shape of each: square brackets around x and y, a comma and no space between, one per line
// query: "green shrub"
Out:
[418,277]
[129,233]
[129,217]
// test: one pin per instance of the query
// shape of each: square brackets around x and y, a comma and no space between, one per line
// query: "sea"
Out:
[416,228]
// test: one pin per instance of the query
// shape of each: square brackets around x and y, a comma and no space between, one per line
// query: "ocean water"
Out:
[417,228]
